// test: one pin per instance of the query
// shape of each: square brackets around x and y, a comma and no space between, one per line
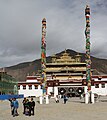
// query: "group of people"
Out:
[65,98]
[28,106]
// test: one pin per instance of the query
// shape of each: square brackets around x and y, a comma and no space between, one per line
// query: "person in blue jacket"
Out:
[15,107]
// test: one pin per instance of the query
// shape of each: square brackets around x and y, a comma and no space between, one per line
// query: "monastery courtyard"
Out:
[75,109]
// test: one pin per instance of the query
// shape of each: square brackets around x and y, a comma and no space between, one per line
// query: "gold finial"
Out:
[44,20]
[87,5]
[54,55]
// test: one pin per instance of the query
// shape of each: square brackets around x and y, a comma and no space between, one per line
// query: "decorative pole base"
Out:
[44,99]
[89,96]
[41,100]
[47,99]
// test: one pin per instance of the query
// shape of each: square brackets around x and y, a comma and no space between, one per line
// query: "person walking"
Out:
[65,98]
[15,107]
[56,99]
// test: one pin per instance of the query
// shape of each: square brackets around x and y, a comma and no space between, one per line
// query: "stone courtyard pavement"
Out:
[75,109]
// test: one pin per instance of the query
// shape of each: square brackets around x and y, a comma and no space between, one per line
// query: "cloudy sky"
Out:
[20,28]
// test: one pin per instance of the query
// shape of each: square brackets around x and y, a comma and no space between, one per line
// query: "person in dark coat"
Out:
[65,98]
[32,105]
[11,105]
[24,105]
[27,107]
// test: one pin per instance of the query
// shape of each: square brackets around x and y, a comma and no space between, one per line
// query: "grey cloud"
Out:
[20,28]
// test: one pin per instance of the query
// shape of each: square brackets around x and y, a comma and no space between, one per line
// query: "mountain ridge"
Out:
[21,70]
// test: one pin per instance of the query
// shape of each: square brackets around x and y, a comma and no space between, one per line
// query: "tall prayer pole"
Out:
[43,55]
[88,60]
